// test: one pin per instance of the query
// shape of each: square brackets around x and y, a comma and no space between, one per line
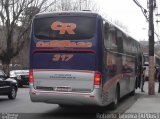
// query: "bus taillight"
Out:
[31,79]
[97,79]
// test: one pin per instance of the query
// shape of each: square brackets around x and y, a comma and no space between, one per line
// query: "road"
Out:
[22,107]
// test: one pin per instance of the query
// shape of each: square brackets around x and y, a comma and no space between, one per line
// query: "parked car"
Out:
[8,86]
[21,76]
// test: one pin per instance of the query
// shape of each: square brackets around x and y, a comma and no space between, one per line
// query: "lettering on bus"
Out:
[64,27]
[62,57]
[63,43]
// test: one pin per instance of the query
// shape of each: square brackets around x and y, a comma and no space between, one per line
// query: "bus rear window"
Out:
[64,28]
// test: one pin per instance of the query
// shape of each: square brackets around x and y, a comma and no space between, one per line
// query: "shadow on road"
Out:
[24,86]
[88,112]
[4,99]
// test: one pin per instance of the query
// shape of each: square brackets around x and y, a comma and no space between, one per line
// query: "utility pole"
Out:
[151,82]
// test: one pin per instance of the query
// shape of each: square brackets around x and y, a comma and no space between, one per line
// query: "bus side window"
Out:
[106,36]
[113,39]
[113,42]
[110,41]
[119,41]
[125,44]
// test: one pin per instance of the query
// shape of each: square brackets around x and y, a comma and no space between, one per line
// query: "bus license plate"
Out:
[63,89]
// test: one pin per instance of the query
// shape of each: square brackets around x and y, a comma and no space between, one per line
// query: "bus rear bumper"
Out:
[67,98]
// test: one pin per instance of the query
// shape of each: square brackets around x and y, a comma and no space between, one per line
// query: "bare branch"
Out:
[46,7]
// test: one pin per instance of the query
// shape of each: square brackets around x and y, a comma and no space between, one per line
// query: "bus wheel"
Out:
[116,99]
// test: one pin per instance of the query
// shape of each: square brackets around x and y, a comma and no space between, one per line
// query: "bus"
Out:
[146,64]
[79,58]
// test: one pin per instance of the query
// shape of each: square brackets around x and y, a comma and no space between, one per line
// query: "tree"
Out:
[121,25]
[74,5]
[15,20]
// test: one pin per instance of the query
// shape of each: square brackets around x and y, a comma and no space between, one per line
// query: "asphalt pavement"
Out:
[23,108]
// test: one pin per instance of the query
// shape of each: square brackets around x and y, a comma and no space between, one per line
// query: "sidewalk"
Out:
[146,103]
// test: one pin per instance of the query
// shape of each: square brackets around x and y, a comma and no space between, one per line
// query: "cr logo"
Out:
[63,27]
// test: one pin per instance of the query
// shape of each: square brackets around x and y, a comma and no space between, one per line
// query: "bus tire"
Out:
[114,104]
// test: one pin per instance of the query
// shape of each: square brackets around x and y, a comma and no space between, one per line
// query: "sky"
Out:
[130,15]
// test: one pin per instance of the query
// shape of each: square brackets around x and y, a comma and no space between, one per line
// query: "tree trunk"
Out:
[5,65]
[5,68]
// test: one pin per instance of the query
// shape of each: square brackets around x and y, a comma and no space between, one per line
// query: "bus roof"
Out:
[51,14]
